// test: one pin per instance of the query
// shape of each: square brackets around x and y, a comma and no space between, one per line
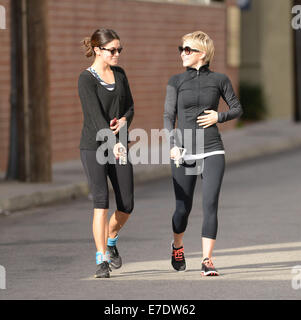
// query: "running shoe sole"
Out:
[115,266]
[210,274]
[101,277]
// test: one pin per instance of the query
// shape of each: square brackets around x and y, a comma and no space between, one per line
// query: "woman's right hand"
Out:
[117,124]
[175,153]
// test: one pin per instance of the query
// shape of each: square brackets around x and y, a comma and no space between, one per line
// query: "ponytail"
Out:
[88,47]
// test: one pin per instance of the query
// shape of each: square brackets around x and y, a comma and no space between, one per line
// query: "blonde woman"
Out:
[192,99]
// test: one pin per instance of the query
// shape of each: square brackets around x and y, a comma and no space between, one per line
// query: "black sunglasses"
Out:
[187,50]
[113,51]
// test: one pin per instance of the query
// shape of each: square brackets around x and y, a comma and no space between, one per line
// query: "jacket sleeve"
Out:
[170,111]
[227,92]
[129,113]
[92,108]
[90,103]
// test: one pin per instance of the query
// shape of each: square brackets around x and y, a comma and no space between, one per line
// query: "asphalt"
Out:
[48,252]
[69,181]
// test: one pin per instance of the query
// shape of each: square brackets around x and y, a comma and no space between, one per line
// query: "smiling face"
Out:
[194,59]
[107,54]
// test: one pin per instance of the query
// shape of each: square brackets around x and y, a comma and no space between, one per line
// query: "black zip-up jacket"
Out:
[188,95]
[100,105]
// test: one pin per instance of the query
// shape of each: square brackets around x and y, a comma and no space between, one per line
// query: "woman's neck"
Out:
[199,65]
[100,66]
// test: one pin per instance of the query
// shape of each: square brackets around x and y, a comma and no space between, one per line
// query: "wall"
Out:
[267,54]
[150,33]
[277,55]
[4,87]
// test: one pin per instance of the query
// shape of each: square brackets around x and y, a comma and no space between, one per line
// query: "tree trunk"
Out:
[38,91]
[32,90]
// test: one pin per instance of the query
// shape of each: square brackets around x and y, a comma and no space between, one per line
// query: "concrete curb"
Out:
[40,198]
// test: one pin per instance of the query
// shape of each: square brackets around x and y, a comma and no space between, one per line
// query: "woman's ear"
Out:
[203,55]
[96,50]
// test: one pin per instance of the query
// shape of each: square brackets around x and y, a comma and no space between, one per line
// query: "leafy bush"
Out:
[252,101]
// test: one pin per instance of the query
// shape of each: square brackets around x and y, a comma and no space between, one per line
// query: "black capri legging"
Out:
[121,177]
[184,185]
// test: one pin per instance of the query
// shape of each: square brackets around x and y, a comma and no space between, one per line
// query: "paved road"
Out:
[48,252]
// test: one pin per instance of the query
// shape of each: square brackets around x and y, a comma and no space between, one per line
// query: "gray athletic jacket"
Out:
[188,95]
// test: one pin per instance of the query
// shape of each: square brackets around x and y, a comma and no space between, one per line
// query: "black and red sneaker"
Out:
[208,268]
[177,258]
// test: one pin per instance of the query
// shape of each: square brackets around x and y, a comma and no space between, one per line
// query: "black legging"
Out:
[121,177]
[212,176]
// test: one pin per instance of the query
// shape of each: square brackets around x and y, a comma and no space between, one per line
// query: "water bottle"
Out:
[122,157]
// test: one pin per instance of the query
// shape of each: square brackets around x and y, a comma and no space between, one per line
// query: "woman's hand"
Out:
[118,150]
[209,119]
[175,153]
[117,124]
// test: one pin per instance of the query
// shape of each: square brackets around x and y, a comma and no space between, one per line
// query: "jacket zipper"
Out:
[199,85]
[199,94]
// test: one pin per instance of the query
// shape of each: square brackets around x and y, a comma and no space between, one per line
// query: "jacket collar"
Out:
[203,69]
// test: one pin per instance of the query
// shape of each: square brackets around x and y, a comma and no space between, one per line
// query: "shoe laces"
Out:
[208,262]
[113,250]
[105,265]
[178,254]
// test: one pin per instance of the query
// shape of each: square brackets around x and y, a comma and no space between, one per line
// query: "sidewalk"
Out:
[69,181]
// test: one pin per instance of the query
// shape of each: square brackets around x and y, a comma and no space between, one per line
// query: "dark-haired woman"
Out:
[107,104]
[193,97]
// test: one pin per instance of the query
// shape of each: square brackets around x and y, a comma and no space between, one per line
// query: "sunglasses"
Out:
[113,51]
[187,50]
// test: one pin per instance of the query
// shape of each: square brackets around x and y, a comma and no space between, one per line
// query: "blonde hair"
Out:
[203,42]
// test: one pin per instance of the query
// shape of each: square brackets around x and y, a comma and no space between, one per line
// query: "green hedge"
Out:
[252,101]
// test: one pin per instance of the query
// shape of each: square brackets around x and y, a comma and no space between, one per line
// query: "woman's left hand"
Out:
[208,120]
[118,150]
[118,125]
